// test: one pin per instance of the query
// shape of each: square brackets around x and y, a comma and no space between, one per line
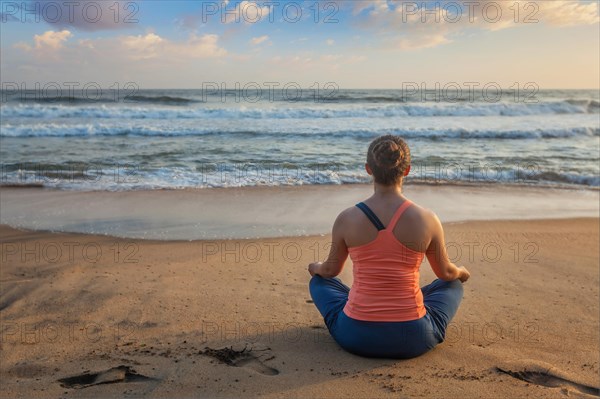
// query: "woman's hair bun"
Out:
[389,159]
[388,154]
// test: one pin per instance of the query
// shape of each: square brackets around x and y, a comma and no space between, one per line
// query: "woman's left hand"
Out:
[313,268]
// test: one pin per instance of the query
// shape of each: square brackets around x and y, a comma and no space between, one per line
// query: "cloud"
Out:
[132,47]
[245,11]
[143,46]
[414,25]
[373,6]
[86,43]
[149,46]
[47,41]
[205,46]
[85,15]
[421,42]
[330,42]
[258,40]
[568,13]
[50,39]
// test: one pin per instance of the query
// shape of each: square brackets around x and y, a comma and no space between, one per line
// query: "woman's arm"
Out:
[438,258]
[337,254]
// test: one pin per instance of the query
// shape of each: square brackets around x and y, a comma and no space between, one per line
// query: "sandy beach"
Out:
[99,316]
[170,171]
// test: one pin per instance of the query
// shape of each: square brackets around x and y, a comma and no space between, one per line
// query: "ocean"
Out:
[175,139]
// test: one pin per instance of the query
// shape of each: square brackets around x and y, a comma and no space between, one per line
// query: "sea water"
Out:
[150,139]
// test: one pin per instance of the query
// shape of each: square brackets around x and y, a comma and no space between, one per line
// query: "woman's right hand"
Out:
[464,274]
[313,268]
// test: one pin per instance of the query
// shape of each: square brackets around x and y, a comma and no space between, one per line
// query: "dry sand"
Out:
[142,313]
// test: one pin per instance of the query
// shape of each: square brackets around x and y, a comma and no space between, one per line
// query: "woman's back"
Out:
[412,228]
[387,258]
[386,313]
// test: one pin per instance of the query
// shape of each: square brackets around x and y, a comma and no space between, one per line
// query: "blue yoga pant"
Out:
[397,340]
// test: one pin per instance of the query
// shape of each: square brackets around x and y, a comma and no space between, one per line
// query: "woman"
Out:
[386,314]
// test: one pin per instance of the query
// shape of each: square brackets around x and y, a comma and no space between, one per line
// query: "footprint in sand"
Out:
[546,375]
[110,376]
[245,357]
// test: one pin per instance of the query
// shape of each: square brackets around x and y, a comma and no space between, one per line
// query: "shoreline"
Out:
[267,212]
[22,230]
[412,183]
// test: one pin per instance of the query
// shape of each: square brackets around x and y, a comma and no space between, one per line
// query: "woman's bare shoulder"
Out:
[348,214]
[421,213]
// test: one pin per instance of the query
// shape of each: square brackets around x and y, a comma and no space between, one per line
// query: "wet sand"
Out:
[259,212]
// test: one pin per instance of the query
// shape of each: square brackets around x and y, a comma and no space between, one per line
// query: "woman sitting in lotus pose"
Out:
[386,313]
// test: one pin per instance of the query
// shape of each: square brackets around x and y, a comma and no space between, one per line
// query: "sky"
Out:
[351,44]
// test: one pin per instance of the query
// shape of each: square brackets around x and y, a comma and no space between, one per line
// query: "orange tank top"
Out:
[386,278]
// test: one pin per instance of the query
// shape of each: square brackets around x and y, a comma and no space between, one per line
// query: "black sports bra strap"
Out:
[372,217]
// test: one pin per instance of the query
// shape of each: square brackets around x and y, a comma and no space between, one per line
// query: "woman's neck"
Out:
[394,190]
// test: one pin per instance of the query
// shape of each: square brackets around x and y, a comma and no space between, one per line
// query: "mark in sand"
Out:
[242,358]
[110,376]
[545,375]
